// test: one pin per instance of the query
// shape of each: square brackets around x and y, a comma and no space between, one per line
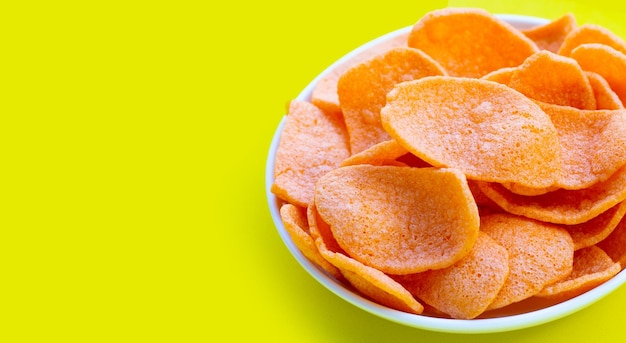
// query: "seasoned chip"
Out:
[296,224]
[591,33]
[502,75]
[378,154]
[554,79]
[324,93]
[606,99]
[469,42]
[605,61]
[562,206]
[311,144]
[485,129]
[399,220]
[363,89]
[465,289]
[615,244]
[550,36]
[595,230]
[539,254]
[591,267]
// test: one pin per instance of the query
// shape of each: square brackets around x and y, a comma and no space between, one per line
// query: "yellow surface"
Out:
[134,138]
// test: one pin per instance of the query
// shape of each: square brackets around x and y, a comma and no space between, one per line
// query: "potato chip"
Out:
[591,33]
[324,93]
[468,42]
[593,144]
[605,61]
[595,230]
[550,36]
[377,155]
[606,99]
[311,144]
[320,231]
[591,267]
[615,244]
[539,254]
[399,220]
[562,206]
[465,289]
[565,84]
[363,89]
[296,224]
[485,129]
[502,75]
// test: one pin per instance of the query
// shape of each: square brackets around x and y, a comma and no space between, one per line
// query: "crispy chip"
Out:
[502,75]
[363,89]
[469,42]
[399,220]
[465,289]
[592,267]
[606,99]
[324,94]
[485,129]
[593,144]
[562,206]
[591,33]
[605,61]
[296,224]
[539,254]
[311,144]
[615,244]
[554,79]
[595,230]
[550,36]
[377,155]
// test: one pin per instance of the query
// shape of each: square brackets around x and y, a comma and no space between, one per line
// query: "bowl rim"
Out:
[447,325]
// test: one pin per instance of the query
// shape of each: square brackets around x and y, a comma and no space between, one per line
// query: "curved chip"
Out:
[363,89]
[377,154]
[550,36]
[468,42]
[465,289]
[485,129]
[606,99]
[615,244]
[595,230]
[591,33]
[592,267]
[311,144]
[562,206]
[605,61]
[399,220]
[502,75]
[539,254]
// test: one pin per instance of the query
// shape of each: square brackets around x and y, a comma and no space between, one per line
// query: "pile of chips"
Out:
[464,166]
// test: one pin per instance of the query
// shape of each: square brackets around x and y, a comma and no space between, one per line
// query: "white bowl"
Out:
[526,314]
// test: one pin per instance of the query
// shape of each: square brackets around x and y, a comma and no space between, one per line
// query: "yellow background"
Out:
[134,137]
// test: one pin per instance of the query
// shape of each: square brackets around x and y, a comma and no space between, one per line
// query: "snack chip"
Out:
[606,99]
[595,230]
[550,36]
[591,33]
[605,61]
[377,155]
[615,244]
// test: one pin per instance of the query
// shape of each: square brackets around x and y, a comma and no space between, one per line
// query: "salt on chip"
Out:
[539,254]
[605,61]
[468,42]
[591,33]
[465,289]
[550,36]
[606,99]
[378,154]
[615,244]
[324,93]
[562,206]
[485,129]
[311,144]
[296,224]
[591,267]
[399,220]
[362,91]
[598,228]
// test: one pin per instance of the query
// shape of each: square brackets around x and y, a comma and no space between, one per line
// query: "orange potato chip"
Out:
[465,289]
[485,129]
[311,144]
[324,93]
[539,254]
[398,219]
[363,89]
[550,36]
[320,231]
[615,244]
[377,155]
[605,61]
[591,267]
[296,224]
[468,42]
[595,230]
[502,75]
[593,143]
[562,206]
[591,33]
[565,84]
[606,99]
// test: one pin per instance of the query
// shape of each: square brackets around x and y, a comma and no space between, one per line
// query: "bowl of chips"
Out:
[442,179]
